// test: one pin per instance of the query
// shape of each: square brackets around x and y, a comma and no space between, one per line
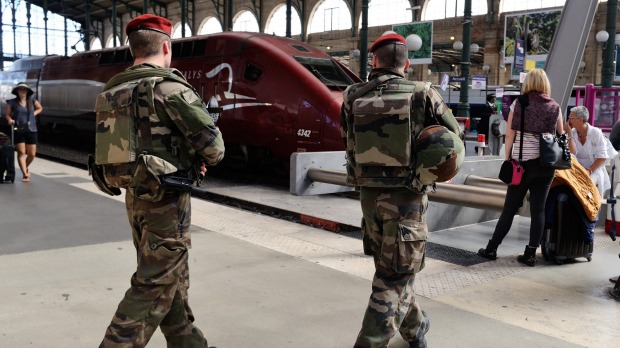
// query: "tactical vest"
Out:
[123,130]
[381,128]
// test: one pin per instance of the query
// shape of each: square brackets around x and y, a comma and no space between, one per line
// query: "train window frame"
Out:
[312,63]
[114,57]
[188,49]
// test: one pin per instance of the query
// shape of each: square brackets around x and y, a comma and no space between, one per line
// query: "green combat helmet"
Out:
[439,155]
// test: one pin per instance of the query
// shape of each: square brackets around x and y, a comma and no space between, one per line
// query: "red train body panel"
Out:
[279,95]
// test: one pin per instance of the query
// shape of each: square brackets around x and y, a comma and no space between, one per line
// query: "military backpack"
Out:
[123,135]
[384,147]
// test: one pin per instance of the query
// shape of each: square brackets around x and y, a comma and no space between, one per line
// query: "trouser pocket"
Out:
[404,247]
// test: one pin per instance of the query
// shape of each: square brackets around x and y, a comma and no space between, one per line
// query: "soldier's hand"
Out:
[203,169]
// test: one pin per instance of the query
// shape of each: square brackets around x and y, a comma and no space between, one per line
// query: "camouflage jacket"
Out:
[425,108]
[182,131]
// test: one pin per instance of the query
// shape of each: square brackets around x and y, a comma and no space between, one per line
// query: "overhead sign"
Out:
[458,78]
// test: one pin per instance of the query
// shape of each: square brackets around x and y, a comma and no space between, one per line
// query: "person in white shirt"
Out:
[589,145]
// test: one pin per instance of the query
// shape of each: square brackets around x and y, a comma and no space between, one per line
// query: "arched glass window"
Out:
[176,31]
[95,44]
[20,42]
[245,21]
[277,23]
[385,12]
[110,42]
[330,15]
[210,26]
[440,9]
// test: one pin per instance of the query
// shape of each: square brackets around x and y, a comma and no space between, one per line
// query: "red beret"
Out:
[388,39]
[149,22]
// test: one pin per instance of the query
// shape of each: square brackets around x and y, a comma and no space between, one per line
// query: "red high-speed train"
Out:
[279,95]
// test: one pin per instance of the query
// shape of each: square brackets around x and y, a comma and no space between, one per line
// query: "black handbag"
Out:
[511,170]
[554,152]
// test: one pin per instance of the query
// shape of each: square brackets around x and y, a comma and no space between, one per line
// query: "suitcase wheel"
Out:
[589,259]
[559,262]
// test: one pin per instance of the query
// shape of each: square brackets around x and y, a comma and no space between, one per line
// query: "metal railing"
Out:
[477,192]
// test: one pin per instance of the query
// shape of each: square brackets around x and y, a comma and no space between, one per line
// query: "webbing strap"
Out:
[144,111]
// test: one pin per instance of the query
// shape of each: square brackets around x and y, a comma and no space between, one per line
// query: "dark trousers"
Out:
[537,181]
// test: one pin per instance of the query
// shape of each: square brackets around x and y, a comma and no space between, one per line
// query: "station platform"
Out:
[66,258]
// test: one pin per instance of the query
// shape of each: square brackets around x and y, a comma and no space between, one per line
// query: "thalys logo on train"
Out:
[228,100]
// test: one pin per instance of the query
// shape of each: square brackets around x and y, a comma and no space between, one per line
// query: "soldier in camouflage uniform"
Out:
[394,222]
[183,133]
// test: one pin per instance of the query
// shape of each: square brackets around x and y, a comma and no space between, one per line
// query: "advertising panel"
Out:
[542,26]
[425,31]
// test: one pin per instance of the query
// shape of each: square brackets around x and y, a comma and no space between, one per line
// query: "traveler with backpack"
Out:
[168,138]
[387,124]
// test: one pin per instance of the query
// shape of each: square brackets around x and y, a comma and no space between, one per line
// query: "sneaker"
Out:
[488,254]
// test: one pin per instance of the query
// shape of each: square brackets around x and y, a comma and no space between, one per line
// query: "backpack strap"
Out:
[144,110]
[172,74]
[372,84]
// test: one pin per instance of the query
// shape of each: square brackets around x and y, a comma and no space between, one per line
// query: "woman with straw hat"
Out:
[20,113]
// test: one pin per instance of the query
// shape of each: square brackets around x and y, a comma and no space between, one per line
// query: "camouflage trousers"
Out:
[394,233]
[158,293]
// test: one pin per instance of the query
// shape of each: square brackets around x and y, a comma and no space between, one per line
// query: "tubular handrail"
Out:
[477,192]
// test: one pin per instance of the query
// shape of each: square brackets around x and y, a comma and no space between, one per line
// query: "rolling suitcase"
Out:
[569,235]
[7,158]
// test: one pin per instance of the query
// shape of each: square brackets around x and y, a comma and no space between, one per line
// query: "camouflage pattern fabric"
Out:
[439,155]
[183,135]
[377,144]
[116,134]
[175,112]
[158,293]
[395,233]
[146,180]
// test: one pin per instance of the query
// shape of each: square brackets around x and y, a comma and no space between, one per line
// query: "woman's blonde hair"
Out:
[536,81]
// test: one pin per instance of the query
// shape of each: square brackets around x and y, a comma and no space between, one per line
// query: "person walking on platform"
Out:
[379,122]
[179,131]
[542,115]
[21,113]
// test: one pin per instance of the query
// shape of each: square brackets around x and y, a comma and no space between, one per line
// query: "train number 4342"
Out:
[304,133]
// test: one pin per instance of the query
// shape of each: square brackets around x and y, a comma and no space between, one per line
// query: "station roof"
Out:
[99,9]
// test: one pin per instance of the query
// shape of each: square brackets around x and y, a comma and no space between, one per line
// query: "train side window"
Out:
[128,57]
[252,73]
[186,49]
[106,58]
[176,50]
[199,48]
[119,57]
[300,48]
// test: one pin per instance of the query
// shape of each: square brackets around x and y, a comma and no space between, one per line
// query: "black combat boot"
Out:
[490,252]
[528,257]
[420,340]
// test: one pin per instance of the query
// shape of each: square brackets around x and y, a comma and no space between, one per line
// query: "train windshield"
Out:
[326,70]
